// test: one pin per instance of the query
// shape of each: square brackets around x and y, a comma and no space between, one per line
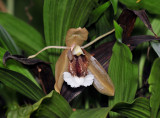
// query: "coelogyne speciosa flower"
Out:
[78,68]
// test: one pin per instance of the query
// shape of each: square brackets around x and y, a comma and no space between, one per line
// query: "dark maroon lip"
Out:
[77,65]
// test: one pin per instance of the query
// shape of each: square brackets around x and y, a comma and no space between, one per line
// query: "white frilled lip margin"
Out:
[75,81]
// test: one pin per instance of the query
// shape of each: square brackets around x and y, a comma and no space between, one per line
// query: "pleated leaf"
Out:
[7,42]
[21,84]
[154,88]
[25,36]
[56,105]
[138,109]
[59,16]
[123,73]
[51,106]
[91,113]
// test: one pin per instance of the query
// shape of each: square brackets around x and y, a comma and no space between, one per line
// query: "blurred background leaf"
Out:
[154,88]
[7,42]
[25,36]
[115,5]
[45,107]
[96,13]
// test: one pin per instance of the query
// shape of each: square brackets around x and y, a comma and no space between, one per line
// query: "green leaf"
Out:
[115,5]
[150,5]
[137,109]
[17,67]
[55,105]
[21,84]
[25,36]
[7,42]
[71,14]
[123,73]
[154,88]
[96,13]
[118,31]
[52,105]
[9,96]
[91,113]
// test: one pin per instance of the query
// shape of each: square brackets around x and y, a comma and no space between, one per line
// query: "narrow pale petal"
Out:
[102,81]
[61,67]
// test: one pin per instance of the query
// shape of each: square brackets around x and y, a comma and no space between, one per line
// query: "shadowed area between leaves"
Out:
[41,69]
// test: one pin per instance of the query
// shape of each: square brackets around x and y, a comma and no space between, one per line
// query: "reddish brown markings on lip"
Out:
[78,65]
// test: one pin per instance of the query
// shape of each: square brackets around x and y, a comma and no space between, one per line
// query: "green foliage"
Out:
[17,67]
[7,42]
[25,36]
[98,12]
[21,84]
[118,31]
[115,5]
[154,88]
[97,16]
[51,106]
[137,109]
[150,5]
[90,113]
[123,73]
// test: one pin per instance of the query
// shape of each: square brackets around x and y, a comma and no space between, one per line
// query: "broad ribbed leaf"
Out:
[123,73]
[150,5]
[21,84]
[59,16]
[7,42]
[17,67]
[96,13]
[25,36]
[55,105]
[138,109]
[154,88]
[91,113]
[51,106]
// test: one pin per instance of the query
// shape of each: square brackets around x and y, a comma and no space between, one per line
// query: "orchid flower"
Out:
[77,67]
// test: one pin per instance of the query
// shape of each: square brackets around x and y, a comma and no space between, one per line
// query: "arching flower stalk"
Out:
[77,67]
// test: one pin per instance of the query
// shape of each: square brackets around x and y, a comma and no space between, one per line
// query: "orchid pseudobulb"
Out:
[77,67]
